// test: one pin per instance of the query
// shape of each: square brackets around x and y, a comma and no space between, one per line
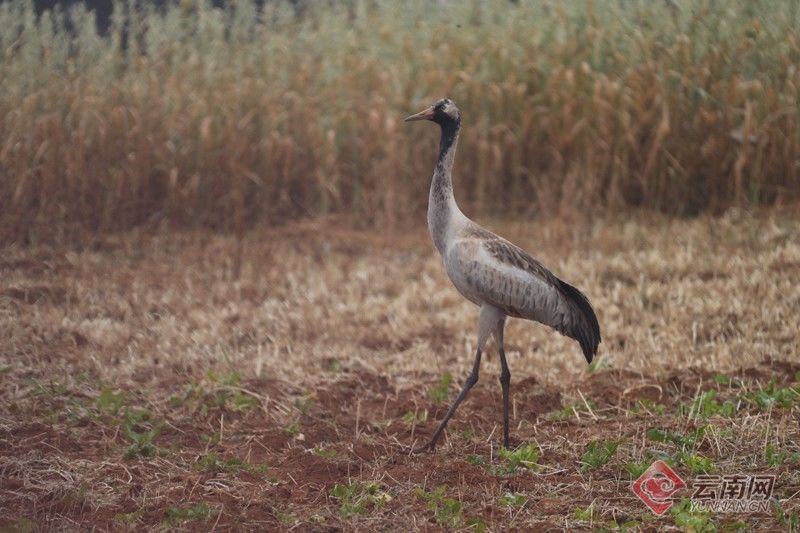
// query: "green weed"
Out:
[790,520]
[526,456]
[689,519]
[683,441]
[198,512]
[129,519]
[523,457]
[636,468]
[212,463]
[585,515]
[598,364]
[648,406]
[512,499]
[727,381]
[110,402]
[141,428]
[772,396]
[328,453]
[598,454]
[411,418]
[446,511]
[357,498]
[222,394]
[706,405]
[304,404]
[773,456]
[573,410]
[697,464]
[292,430]
[438,393]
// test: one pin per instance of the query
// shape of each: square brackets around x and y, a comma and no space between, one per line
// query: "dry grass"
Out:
[314,368]
[210,118]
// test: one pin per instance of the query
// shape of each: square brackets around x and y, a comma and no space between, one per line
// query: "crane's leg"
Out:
[487,324]
[505,378]
[472,379]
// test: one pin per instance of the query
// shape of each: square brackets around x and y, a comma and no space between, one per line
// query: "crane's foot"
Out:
[427,447]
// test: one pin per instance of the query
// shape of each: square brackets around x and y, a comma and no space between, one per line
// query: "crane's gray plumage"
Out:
[498,276]
[486,268]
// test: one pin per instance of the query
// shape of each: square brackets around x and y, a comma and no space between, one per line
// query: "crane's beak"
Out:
[425,114]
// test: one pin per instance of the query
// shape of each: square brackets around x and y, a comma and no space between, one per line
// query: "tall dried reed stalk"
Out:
[224,118]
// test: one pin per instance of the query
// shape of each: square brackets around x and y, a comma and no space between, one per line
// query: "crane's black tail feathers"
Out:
[587,330]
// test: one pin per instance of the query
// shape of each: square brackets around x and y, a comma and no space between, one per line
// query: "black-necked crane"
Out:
[494,274]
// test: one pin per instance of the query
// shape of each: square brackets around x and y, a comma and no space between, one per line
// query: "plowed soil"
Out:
[187,381]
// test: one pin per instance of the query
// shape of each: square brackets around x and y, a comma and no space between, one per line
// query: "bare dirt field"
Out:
[183,381]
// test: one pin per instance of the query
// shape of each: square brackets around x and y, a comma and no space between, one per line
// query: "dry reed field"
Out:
[204,117]
[150,382]
[220,310]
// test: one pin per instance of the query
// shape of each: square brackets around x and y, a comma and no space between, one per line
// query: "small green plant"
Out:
[304,404]
[327,453]
[697,464]
[574,410]
[648,406]
[735,526]
[772,396]
[292,430]
[613,525]
[728,381]
[231,379]
[526,456]
[683,441]
[585,515]
[222,394]
[287,519]
[476,460]
[141,428]
[110,402]
[512,499]
[213,464]
[411,418]
[333,366]
[439,392]
[706,405]
[50,390]
[790,520]
[358,498]
[129,519]
[213,439]
[597,364]
[199,512]
[773,456]
[690,519]
[189,391]
[242,401]
[523,457]
[446,511]
[636,468]
[598,454]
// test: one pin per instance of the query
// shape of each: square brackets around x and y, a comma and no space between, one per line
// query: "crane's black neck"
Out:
[441,202]
[450,128]
[442,181]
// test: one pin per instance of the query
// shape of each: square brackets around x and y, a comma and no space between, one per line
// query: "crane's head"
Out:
[442,112]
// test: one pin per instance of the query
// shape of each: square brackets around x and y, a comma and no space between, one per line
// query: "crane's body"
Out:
[494,274]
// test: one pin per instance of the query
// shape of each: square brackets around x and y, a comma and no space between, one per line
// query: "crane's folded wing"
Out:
[491,269]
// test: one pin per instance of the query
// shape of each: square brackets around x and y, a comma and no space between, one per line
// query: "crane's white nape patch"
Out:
[450,108]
